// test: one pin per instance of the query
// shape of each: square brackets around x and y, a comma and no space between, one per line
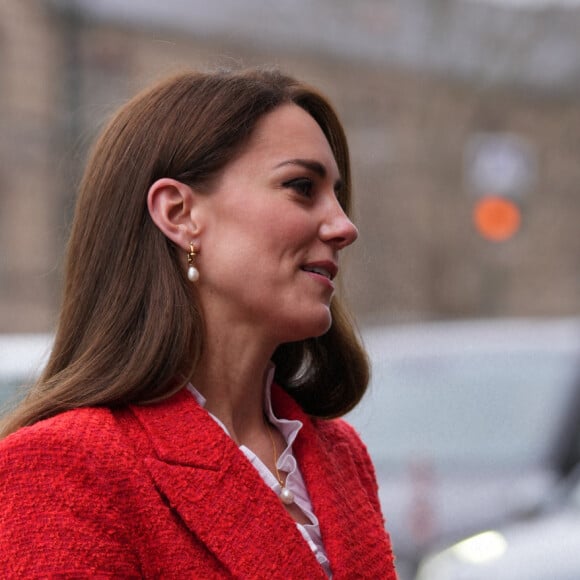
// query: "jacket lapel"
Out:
[219,495]
[352,529]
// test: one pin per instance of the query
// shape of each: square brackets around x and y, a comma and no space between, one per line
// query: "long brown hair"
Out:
[128,324]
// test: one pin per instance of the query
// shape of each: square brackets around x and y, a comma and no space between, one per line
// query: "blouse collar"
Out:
[288,427]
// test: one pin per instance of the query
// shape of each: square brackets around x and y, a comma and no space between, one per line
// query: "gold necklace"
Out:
[286,496]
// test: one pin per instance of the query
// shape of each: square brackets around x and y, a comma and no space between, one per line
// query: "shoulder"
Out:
[338,431]
[87,439]
[337,428]
[69,431]
[66,487]
[65,462]
[338,434]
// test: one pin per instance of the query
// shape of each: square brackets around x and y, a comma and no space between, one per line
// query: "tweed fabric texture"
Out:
[160,491]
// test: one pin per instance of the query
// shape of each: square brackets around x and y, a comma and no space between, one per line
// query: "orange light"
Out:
[496,218]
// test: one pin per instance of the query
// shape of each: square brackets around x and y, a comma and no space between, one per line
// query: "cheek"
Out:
[269,237]
[291,230]
[261,234]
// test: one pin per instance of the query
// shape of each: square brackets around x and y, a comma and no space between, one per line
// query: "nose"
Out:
[337,228]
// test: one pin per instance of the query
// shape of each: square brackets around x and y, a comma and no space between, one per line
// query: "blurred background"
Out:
[445,102]
[464,123]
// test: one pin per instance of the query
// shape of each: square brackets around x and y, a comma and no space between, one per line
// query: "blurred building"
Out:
[416,82]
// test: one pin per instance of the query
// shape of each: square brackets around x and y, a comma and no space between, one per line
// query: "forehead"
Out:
[290,132]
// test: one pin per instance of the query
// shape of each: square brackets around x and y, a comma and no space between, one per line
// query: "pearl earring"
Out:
[192,271]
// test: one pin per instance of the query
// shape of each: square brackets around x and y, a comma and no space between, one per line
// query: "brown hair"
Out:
[128,324]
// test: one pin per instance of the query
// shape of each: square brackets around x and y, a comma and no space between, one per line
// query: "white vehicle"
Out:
[534,548]
[469,424]
[22,357]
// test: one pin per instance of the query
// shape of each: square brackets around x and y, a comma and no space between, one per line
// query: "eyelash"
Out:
[303,186]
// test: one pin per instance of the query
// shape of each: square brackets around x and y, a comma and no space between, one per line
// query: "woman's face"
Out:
[272,232]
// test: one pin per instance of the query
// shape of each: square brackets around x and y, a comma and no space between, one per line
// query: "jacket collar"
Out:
[350,524]
[219,495]
[224,501]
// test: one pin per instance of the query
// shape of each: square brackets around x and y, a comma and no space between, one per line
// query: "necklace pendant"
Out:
[286,496]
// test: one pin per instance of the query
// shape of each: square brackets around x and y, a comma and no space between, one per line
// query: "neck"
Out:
[232,380]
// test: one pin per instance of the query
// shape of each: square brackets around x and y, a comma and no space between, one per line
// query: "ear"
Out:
[171,205]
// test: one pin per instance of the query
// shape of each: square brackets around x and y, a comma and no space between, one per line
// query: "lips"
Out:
[326,269]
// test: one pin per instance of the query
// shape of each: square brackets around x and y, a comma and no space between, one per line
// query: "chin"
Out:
[324,328]
[312,328]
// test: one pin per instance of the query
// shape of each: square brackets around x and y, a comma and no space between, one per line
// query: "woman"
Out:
[181,427]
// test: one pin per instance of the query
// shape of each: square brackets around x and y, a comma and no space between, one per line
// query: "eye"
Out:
[303,186]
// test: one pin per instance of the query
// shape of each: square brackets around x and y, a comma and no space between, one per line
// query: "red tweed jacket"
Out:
[161,492]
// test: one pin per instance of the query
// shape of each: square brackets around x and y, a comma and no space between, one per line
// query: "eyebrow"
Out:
[314,166]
